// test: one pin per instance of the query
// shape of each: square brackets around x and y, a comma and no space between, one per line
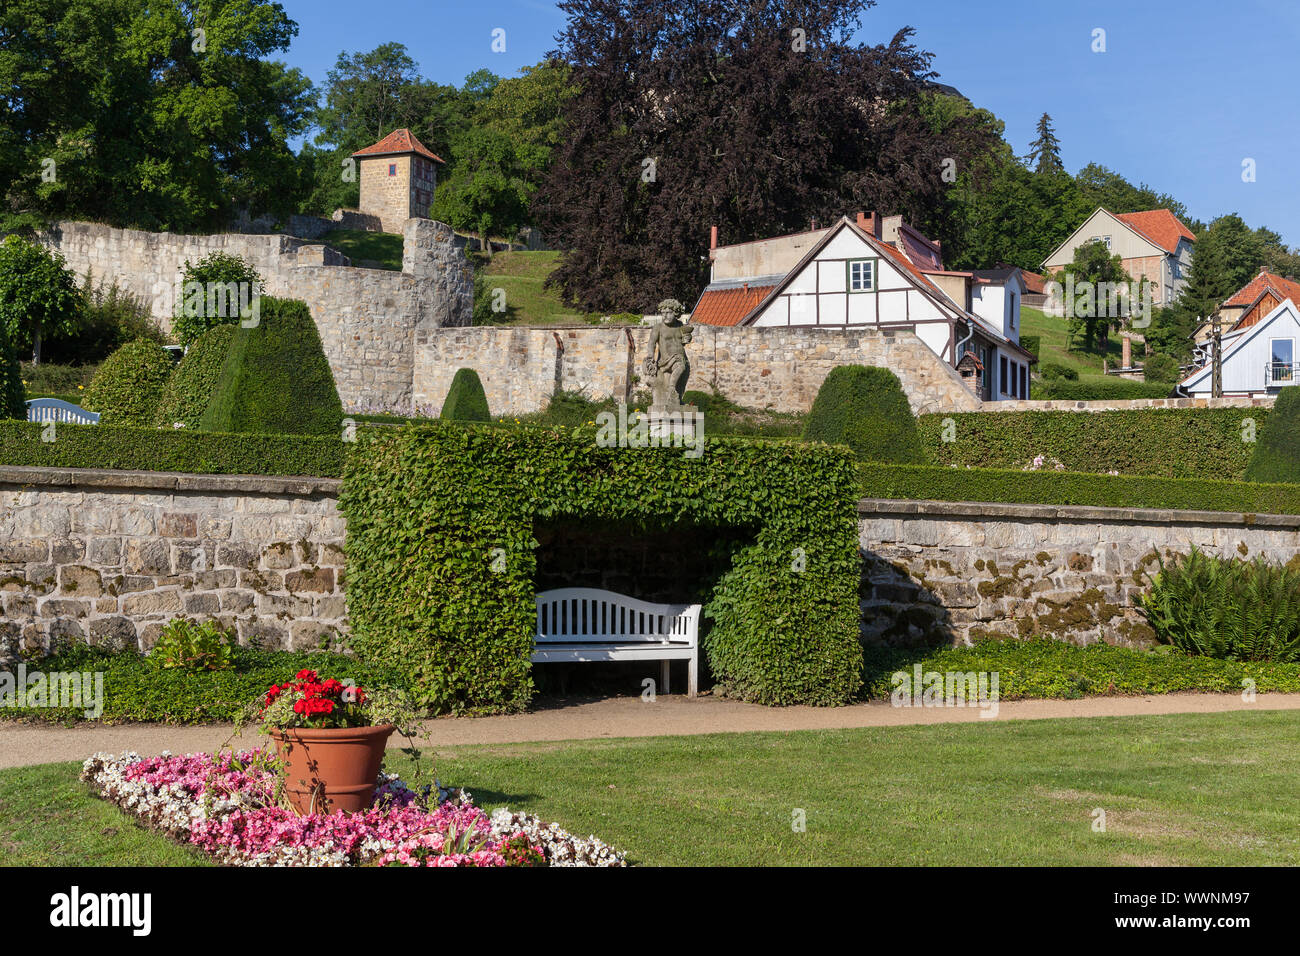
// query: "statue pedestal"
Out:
[674,421]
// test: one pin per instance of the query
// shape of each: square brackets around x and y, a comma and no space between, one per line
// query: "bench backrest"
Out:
[57,410]
[590,615]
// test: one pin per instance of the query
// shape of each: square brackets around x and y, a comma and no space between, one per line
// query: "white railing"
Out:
[1281,373]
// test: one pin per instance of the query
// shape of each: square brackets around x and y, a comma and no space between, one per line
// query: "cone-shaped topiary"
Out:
[1277,452]
[192,385]
[864,407]
[466,401]
[128,386]
[276,379]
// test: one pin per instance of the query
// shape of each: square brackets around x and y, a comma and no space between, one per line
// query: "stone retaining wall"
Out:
[1124,405]
[109,557]
[949,572]
[776,368]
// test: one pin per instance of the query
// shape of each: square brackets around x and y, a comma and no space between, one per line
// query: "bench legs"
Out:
[693,674]
[663,677]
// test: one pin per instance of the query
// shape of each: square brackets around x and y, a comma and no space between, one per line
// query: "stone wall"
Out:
[1124,405]
[777,368]
[943,572]
[110,557]
[369,319]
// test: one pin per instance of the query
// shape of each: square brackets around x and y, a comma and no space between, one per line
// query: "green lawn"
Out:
[522,276]
[1185,789]
[375,250]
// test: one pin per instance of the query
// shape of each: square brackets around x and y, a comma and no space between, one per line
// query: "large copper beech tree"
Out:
[756,117]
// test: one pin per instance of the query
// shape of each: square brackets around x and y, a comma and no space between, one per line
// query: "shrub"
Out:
[109,318]
[12,393]
[1277,450]
[1225,608]
[466,401]
[193,646]
[38,294]
[441,562]
[1074,488]
[128,386]
[864,407]
[1109,390]
[50,379]
[148,449]
[1053,370]
[1174,442]
[1159,367]
[211,290]
[192,385]
[276,378]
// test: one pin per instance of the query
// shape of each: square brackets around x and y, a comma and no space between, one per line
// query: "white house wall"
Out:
[1124,242]
[1244,367]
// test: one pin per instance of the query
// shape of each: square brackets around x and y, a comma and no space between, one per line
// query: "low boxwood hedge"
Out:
[878,480]
[1043,667]
[136,689]
[1171,442]
[150,449]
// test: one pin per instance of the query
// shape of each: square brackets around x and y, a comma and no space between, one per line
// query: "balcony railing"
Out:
[1281,373]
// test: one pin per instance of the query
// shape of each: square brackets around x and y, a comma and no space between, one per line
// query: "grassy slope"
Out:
[1053,332]
[522,276]
[1183,789]
[378,250]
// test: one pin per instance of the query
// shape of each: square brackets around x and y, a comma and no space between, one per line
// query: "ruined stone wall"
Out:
[368,319]
[777,368]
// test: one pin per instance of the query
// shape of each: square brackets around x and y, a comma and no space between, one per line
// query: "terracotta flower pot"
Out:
[332,768]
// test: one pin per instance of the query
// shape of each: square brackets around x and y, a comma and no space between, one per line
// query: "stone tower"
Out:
[398,176]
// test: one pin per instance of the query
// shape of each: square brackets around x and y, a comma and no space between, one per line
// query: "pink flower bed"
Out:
[225,807]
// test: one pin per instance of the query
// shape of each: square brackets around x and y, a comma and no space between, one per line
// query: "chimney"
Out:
[812,226]
[713,238]
[869,222]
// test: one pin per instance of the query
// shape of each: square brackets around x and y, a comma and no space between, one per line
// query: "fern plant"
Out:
[1225,608]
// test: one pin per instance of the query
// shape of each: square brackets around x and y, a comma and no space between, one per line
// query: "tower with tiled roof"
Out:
[398,175]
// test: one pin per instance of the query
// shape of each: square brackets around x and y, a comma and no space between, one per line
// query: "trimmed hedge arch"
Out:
[441,561]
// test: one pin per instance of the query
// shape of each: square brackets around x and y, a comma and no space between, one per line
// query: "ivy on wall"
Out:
[441,562]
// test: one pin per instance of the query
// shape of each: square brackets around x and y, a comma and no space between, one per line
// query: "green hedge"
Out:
[915,482]
[129,384]
[192,385]
[441,562]
[1169,442]
[865,408]
[1044,667]
[1277,449]
[149,449]
[137,690]
[466,400]
[1096,391]
[276,378]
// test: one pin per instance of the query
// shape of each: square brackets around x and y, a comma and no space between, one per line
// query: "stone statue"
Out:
[666,364]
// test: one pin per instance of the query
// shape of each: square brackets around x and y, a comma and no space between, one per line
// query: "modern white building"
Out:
[1258,359]
[879,273]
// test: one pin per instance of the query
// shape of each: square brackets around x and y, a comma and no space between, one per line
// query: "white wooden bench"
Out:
[587,624]
[57,410]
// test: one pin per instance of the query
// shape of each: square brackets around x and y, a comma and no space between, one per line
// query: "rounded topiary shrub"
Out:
[864,407]
[192,385]
[1277,452]
[129,384]
[466,400]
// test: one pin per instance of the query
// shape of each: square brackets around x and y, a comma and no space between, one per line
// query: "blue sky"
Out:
[1184,92]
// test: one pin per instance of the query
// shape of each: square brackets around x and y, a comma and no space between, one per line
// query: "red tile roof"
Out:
[1160,226]
[1286,289]
[728,306]
[396,142]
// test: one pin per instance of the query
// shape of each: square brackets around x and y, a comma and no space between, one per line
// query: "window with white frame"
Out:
[862,275]
[1283,354]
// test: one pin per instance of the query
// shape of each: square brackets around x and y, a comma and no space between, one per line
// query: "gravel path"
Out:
[25,744]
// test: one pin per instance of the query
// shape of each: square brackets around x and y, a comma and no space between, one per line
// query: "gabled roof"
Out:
[1254,290]
[1240,340]
[729,304]
[398,142]
[1159,226]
